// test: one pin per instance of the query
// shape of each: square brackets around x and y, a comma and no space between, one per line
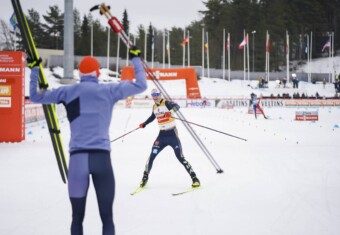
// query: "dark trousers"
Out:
[96,163]
[168,138]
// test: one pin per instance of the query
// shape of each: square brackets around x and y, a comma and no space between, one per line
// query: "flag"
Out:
[228,44]
[327,44]
[168,44]
[243,43]
[152,40]
[268,44]
[13,21]
[185,41]
[206,44]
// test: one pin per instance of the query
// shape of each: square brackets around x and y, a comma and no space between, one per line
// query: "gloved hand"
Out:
[134,52]
[142,125]
[32,62]
[167,114]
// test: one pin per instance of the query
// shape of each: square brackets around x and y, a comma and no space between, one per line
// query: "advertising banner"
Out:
[12,96]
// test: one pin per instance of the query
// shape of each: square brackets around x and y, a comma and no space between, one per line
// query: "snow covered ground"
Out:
[284,180]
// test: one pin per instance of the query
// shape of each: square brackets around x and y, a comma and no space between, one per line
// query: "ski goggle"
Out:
[155,94]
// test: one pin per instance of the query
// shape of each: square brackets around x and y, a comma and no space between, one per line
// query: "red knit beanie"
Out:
[89,66]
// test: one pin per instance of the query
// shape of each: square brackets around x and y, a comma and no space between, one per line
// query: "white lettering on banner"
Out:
[158,74]
[306,116]
[272,103]
[5,102]
[10,70]
[3,80]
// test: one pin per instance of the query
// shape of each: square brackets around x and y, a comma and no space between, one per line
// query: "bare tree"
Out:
[7,37]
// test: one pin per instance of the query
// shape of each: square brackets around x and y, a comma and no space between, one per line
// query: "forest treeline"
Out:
[315,18]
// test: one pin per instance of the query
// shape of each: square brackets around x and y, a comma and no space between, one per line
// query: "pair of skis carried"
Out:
[49,109]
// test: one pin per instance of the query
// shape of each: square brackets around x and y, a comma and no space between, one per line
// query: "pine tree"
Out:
[37,31]
[126,26]
[54,27]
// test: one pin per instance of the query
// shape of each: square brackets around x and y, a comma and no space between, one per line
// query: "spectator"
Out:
[284,81]
[260,79]
[295,81]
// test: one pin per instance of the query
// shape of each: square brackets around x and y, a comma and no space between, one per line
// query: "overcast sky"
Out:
[162,14]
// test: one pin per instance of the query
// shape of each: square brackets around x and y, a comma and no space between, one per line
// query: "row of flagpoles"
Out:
[244,45]
[226,47]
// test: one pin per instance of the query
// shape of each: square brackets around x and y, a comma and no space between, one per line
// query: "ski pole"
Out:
[124,135]
[211,129]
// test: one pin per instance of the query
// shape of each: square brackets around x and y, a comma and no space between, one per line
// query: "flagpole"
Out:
[287,54]
[117,60]
[164,49]
[152,47]
[183,45]
[333,72]
[208,64]
[92,39]
[229,56]
[127,52]
[202,50]
[145,44]
[168,48]
[329,58]
[15,39]
[244,57]
[307,50]
[108,48]
[311,50]
[266,63]
[223,59]
[188,48]
[248,55]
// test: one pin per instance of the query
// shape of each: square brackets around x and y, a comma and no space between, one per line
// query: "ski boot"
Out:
[144,179]
[195,182]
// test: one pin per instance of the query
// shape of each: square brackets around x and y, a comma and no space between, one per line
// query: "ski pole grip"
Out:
[116,25]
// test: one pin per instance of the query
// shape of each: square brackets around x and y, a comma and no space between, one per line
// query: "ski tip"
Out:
[137,191]
[220,171]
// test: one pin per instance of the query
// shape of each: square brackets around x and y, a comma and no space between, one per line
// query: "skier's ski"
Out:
[186,191]
[137,191]
[49,110]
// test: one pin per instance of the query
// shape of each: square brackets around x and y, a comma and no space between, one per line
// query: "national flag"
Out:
[13,21]
[287,44]
[268,44]
[206,44]
[185,41]
[168,44]
[243,43]
[327,44]
[228,44]
[152,40]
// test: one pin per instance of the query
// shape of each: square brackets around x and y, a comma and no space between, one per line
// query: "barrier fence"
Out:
[34,112]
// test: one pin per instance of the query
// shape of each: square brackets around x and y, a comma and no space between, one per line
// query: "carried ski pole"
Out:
[119,30]
[211,129]
[124,135]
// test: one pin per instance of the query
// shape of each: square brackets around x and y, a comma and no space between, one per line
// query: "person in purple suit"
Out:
[89,107]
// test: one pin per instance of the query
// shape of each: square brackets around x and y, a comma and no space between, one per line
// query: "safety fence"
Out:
[34,112]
